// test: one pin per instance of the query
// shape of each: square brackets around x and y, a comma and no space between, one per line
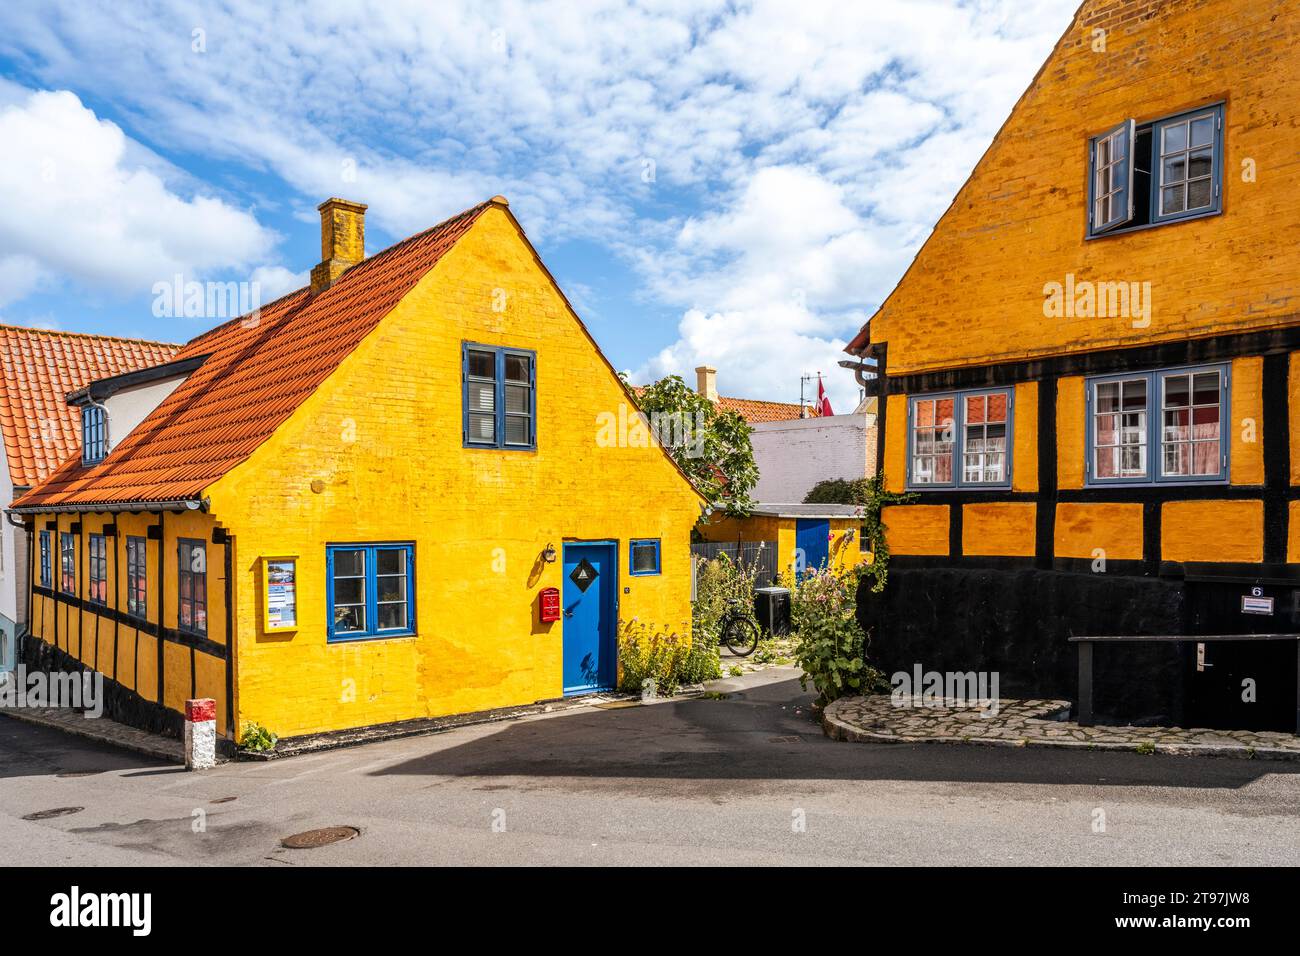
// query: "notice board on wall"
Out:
[280,590]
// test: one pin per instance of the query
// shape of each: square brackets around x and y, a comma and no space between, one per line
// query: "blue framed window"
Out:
[499,397]
[960,439]
[94,434]
[68,562]
[371,590]
[192,586]
[643,556]
[1150,173]
[97,592]
[1158,427]
[137,577]
[47,572]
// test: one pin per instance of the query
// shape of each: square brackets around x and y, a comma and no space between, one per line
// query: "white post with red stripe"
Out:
[200,734]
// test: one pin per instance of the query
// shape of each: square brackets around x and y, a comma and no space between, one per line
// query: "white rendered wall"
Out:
[794,455]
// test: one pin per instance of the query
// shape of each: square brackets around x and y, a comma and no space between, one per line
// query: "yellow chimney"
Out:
[342,240]
[706,382]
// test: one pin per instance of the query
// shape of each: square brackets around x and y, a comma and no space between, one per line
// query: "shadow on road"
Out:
[767,734]
[28,750]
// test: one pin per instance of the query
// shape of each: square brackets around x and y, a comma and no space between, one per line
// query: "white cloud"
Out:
[801,150]
[76,206]
[274,281]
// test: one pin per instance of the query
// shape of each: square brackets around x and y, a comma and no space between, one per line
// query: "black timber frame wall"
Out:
[1274,346]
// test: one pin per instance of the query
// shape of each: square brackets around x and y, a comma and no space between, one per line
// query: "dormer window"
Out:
[94,434]
[1162,171]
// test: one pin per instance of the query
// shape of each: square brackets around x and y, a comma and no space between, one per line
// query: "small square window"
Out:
[645,556]
[371,590]
[1151,427]
[960,440]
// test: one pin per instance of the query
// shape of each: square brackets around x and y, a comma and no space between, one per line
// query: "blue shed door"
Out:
[812,537]
[590,617]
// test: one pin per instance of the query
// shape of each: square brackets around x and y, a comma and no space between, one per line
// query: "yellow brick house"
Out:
[1090,373]
[357,505]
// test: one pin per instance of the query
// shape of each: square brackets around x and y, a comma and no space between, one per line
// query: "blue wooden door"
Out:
[590,615]
[812,537]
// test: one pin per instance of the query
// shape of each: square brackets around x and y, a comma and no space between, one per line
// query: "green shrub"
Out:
[669,659]
[830,644]
[257,738]
[717,582]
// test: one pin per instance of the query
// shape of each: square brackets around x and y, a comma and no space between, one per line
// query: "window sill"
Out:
[1128,230]
[386,636]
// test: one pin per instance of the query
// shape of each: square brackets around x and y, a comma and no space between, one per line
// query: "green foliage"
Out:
[719,582]
[711,445]
[830,644]
[257,738]
[839,491]
[669,659]
[870,495]
[873,529]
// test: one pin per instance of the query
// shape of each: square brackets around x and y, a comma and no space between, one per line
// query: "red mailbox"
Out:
[548,605]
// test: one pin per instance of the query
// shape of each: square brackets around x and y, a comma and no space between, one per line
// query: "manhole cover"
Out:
[322,837]
[56,812]
[791,739]
[77,773]
[224,799]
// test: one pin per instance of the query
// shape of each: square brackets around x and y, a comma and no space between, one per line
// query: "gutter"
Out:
[118,507]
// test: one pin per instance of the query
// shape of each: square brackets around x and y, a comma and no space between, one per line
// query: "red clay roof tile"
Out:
[258,370]
[38,368]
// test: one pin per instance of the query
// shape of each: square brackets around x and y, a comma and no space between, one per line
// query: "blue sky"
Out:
[737,184]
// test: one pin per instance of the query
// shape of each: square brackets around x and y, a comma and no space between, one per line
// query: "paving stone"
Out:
[879,718]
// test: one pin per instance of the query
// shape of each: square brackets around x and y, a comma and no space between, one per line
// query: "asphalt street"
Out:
[745,778]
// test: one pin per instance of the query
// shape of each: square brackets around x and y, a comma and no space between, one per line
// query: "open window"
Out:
[1112,178]
[1161,171]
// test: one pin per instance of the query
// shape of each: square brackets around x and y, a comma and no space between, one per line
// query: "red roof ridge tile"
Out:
[64,333]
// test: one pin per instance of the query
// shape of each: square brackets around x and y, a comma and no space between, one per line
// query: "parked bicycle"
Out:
[738,632]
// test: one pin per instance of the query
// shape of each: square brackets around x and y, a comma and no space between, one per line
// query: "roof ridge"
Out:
[9,326]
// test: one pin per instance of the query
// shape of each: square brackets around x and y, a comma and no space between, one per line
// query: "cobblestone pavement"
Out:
[1021,723]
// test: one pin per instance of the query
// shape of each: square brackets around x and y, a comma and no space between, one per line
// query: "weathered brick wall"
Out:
[975,295]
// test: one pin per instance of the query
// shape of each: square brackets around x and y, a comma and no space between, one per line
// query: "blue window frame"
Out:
[499,397]
[137,577]
[643,556]
[192,586]
[68,562]
[94,434]
[1161,171]
[371,590]
[97,591]
[47,571]
[960,439]
[1158,427]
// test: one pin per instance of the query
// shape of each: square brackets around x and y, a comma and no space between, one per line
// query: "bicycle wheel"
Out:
[740,636]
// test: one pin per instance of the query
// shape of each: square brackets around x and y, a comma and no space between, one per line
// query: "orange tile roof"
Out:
[257,371]
[753,410]
[38,368]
